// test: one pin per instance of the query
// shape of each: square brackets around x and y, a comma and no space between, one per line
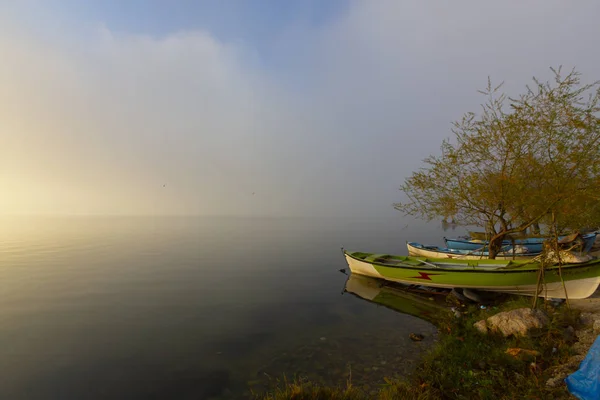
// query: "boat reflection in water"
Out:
[423,304]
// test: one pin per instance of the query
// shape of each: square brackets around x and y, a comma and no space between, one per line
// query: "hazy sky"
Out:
[254,107]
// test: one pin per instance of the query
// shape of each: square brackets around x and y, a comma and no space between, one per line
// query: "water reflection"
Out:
[365,343]
[448,225]
[423,305]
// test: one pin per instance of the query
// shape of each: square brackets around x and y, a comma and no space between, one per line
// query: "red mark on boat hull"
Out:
[424,275]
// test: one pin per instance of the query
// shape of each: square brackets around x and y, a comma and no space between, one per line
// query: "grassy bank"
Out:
[464,364]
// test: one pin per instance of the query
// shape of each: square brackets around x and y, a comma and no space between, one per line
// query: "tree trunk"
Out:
[496,245]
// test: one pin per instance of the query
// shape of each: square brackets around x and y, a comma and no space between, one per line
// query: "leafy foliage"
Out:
[514,166]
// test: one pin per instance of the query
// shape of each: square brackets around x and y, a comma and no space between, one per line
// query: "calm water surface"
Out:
[198,308]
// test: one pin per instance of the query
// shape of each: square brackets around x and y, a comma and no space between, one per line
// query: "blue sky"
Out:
[226,19]
[255,107]
[255,23]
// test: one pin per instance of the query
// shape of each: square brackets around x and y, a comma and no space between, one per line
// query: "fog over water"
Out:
[266,108]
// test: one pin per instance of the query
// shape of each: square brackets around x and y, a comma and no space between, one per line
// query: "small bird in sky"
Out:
[252,193]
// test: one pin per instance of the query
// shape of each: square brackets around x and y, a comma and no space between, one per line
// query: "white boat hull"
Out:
[418,252]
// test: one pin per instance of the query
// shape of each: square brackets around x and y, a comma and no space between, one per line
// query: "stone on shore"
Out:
[416,337]
[481,326]
[517,322]
[569,334]
[596,326]
[586,318]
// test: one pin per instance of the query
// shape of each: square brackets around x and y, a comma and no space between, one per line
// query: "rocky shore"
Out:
[585,335]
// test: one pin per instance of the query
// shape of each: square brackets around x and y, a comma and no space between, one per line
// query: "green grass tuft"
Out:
[300,389]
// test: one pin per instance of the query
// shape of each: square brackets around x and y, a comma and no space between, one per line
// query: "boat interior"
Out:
[408,261]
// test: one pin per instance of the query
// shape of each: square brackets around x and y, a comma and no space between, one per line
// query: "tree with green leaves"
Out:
[521,162]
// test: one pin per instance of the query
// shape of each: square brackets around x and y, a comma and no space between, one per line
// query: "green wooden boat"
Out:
[377,291]
[508,276]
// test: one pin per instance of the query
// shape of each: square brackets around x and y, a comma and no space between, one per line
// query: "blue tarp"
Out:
[585,382]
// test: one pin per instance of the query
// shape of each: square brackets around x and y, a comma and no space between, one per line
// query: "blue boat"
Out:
[534,245]
[421,250]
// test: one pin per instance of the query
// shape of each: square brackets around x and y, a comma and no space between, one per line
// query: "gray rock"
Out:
[569,334]
[576,360]
[586,319]
[517,322]
[556,381]
[481,326]
[580,347]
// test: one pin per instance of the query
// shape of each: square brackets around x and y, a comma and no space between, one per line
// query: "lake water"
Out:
[194,307]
